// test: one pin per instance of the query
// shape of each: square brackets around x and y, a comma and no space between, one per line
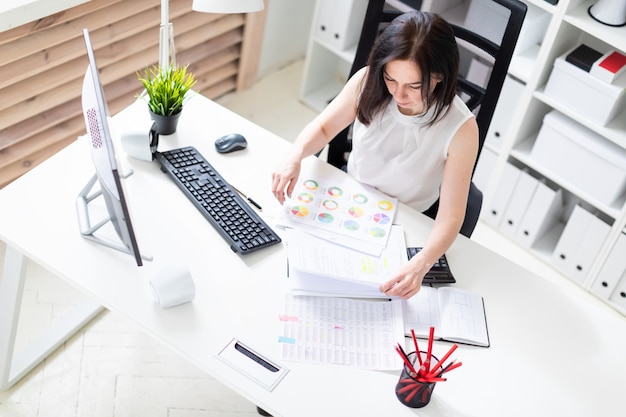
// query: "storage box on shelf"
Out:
[579,156]
[581,92]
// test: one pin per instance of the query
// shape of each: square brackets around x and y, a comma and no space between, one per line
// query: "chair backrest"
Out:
[486,37]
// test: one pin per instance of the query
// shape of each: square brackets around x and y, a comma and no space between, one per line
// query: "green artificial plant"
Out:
[166,88]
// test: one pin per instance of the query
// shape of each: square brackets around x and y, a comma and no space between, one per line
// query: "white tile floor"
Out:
[112,369]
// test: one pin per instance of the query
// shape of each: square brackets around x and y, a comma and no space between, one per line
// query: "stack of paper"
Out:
[317,267]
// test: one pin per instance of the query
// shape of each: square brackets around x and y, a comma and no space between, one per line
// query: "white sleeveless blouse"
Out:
[400,158]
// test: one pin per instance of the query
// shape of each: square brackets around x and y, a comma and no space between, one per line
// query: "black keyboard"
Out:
[237,222]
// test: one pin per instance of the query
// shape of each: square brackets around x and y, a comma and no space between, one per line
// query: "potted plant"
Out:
[166,92]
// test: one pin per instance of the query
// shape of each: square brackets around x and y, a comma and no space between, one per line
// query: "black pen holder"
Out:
[412,390]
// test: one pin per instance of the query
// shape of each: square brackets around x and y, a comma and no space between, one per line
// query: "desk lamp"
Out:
[166,45]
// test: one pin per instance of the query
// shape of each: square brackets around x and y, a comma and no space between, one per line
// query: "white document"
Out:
[341,210]
[310,255]
[342,331]
[457,315]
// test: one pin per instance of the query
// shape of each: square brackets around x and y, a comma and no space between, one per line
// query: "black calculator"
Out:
[439,273]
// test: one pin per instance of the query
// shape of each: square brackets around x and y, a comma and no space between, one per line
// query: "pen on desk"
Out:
[254,203]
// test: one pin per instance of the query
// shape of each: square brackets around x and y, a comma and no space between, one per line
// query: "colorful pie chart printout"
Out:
[341,206]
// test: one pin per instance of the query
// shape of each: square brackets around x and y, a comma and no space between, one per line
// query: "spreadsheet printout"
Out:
[361,333]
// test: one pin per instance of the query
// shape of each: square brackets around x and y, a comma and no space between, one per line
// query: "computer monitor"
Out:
[96,113]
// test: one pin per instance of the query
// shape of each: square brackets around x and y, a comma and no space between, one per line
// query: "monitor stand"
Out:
[86,229]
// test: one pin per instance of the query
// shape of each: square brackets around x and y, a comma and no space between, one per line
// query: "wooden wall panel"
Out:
[42,65]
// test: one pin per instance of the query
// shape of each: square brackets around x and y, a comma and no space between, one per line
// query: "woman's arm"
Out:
[457,176]
[333,119]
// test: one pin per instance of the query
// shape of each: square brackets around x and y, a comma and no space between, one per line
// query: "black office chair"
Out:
[480,41]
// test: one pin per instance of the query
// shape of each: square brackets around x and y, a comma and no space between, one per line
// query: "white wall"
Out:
[287,30]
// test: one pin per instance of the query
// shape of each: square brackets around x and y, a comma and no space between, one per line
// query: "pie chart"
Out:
[335,191]
[377,232]
[381,218]
[305,197]
[351,225]
[326,218]
[355,212]
[359,198]
[310,185]
[299,211]
[330,204]
[385,205]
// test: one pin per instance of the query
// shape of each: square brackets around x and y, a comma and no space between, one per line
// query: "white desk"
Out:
[555,351]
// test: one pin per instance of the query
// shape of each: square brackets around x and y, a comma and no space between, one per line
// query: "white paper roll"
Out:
[136,141]
[173,286]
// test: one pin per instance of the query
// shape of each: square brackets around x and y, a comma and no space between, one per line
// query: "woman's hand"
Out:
[285,178]
[408,280]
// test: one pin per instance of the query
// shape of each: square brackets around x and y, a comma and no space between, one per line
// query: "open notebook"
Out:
[457,315]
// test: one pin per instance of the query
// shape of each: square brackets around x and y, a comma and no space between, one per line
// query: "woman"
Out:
[413,138]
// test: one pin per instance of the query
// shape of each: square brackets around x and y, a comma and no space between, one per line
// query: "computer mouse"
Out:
[230,143]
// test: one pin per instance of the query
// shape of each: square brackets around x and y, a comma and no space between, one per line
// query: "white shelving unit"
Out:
[332,47]
[569,25]
[549,32]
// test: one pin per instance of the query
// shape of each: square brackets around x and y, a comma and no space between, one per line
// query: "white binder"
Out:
[588,249]
[338,22]
[613,270]
[518,203]
[618,297]
[497,206]
[484,169]
[542,215]
[324,20]
[510,95]
[347,22]
[573,234]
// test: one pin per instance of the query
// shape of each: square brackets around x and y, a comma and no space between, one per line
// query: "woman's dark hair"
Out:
[425,39]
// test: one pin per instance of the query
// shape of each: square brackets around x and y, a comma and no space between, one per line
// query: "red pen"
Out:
[451,367]
[431,336]
[417,349]
[412,393]
[442,360]
[409,387]
[409,365]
